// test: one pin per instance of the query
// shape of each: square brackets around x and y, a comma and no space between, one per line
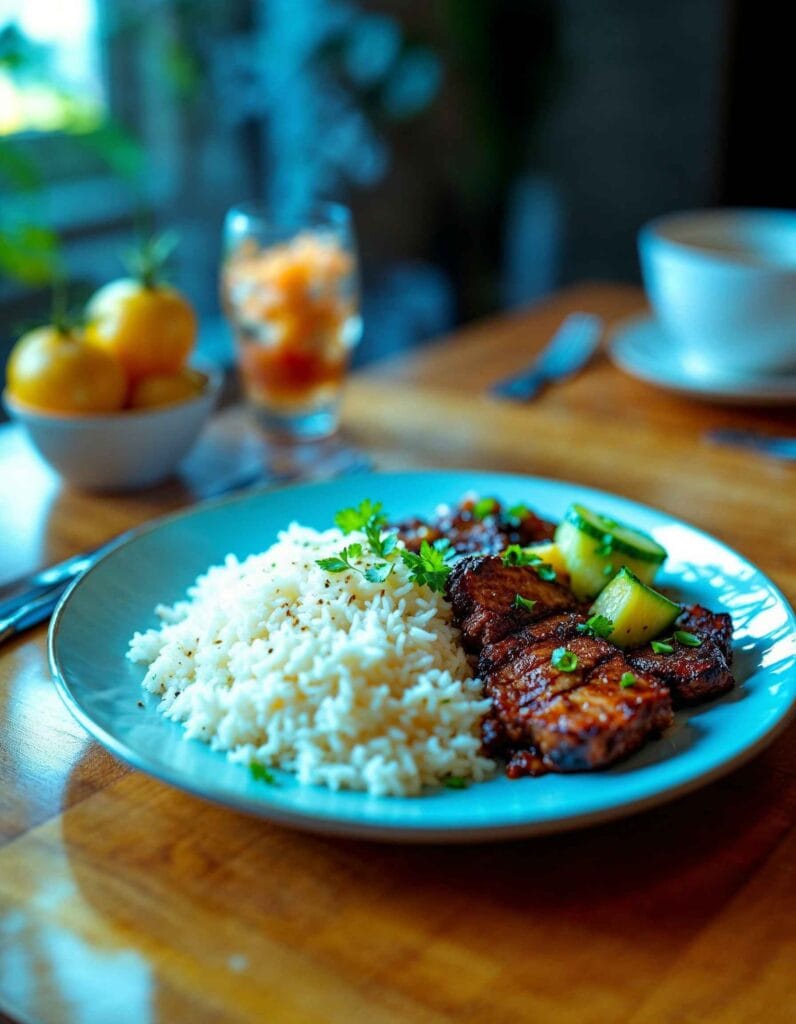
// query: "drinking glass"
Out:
[290,290]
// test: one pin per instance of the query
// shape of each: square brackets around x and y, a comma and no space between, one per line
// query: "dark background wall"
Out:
[491,149]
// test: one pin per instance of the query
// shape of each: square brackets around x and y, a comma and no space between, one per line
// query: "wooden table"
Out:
[122,899]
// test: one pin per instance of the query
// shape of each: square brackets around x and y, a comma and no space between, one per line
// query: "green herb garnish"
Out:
[597,625]
[485,507]
[455,782]
[564,660]
[523,602]
[378,573]
[365,513]
[517,513]
[369,519]
[661,647]
[261,774]
[341,562]
[516,555]
[430,567]
[628,679]
[687,639]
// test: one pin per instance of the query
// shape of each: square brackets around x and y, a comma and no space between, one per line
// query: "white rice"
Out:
[348,684]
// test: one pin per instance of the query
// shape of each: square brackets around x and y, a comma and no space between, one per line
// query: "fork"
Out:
[570,348]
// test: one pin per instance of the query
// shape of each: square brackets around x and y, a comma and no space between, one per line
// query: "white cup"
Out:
[723,285]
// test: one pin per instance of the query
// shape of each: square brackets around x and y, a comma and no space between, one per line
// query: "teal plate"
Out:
[96,618]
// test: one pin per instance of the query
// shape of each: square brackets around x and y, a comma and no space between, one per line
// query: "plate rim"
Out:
[706,388]
[342,825]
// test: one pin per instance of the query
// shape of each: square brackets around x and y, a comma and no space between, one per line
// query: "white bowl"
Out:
[117,451]
[723,285]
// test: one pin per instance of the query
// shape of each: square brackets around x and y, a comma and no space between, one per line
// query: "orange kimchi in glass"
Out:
[290,291]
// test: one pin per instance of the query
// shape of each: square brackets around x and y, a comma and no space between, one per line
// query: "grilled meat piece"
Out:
[716,625]
[544,719]
[693,674]
[468,534]
[481,590]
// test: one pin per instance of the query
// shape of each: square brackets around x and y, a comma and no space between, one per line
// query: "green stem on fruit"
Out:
[148,261]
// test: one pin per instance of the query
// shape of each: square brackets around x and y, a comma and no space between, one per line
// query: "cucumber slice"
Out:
[595,548]
[552,554]
[618,536]
[638,612]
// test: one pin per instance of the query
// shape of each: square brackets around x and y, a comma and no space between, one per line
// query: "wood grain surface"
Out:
[122,899]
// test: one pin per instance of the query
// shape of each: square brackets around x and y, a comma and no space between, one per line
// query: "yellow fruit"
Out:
[151,330]
[59,371]
[167,389]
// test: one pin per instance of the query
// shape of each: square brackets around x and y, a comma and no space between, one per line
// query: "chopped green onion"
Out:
[661,647]
[523,602]
[518,512]
[686,638]
[597,625]
[628,679]
[485,507]
[545,572]
[516,555]
[455,782]
[261,774]
[564,660]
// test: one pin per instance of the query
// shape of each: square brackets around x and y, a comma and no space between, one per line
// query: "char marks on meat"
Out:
[693,674]
[482,591]
[469,534]
[543,718]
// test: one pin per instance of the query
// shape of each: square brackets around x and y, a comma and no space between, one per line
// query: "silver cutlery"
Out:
[569,350]
[30,613]
[38,594]
[766,444]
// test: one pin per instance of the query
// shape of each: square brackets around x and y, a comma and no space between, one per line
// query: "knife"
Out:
[570,348]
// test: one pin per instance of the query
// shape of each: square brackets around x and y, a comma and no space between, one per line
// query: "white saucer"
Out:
[640,347]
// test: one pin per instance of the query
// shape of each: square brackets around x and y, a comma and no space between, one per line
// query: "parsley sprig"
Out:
[431,565]
[366,513]
[368,518]
[377,573]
